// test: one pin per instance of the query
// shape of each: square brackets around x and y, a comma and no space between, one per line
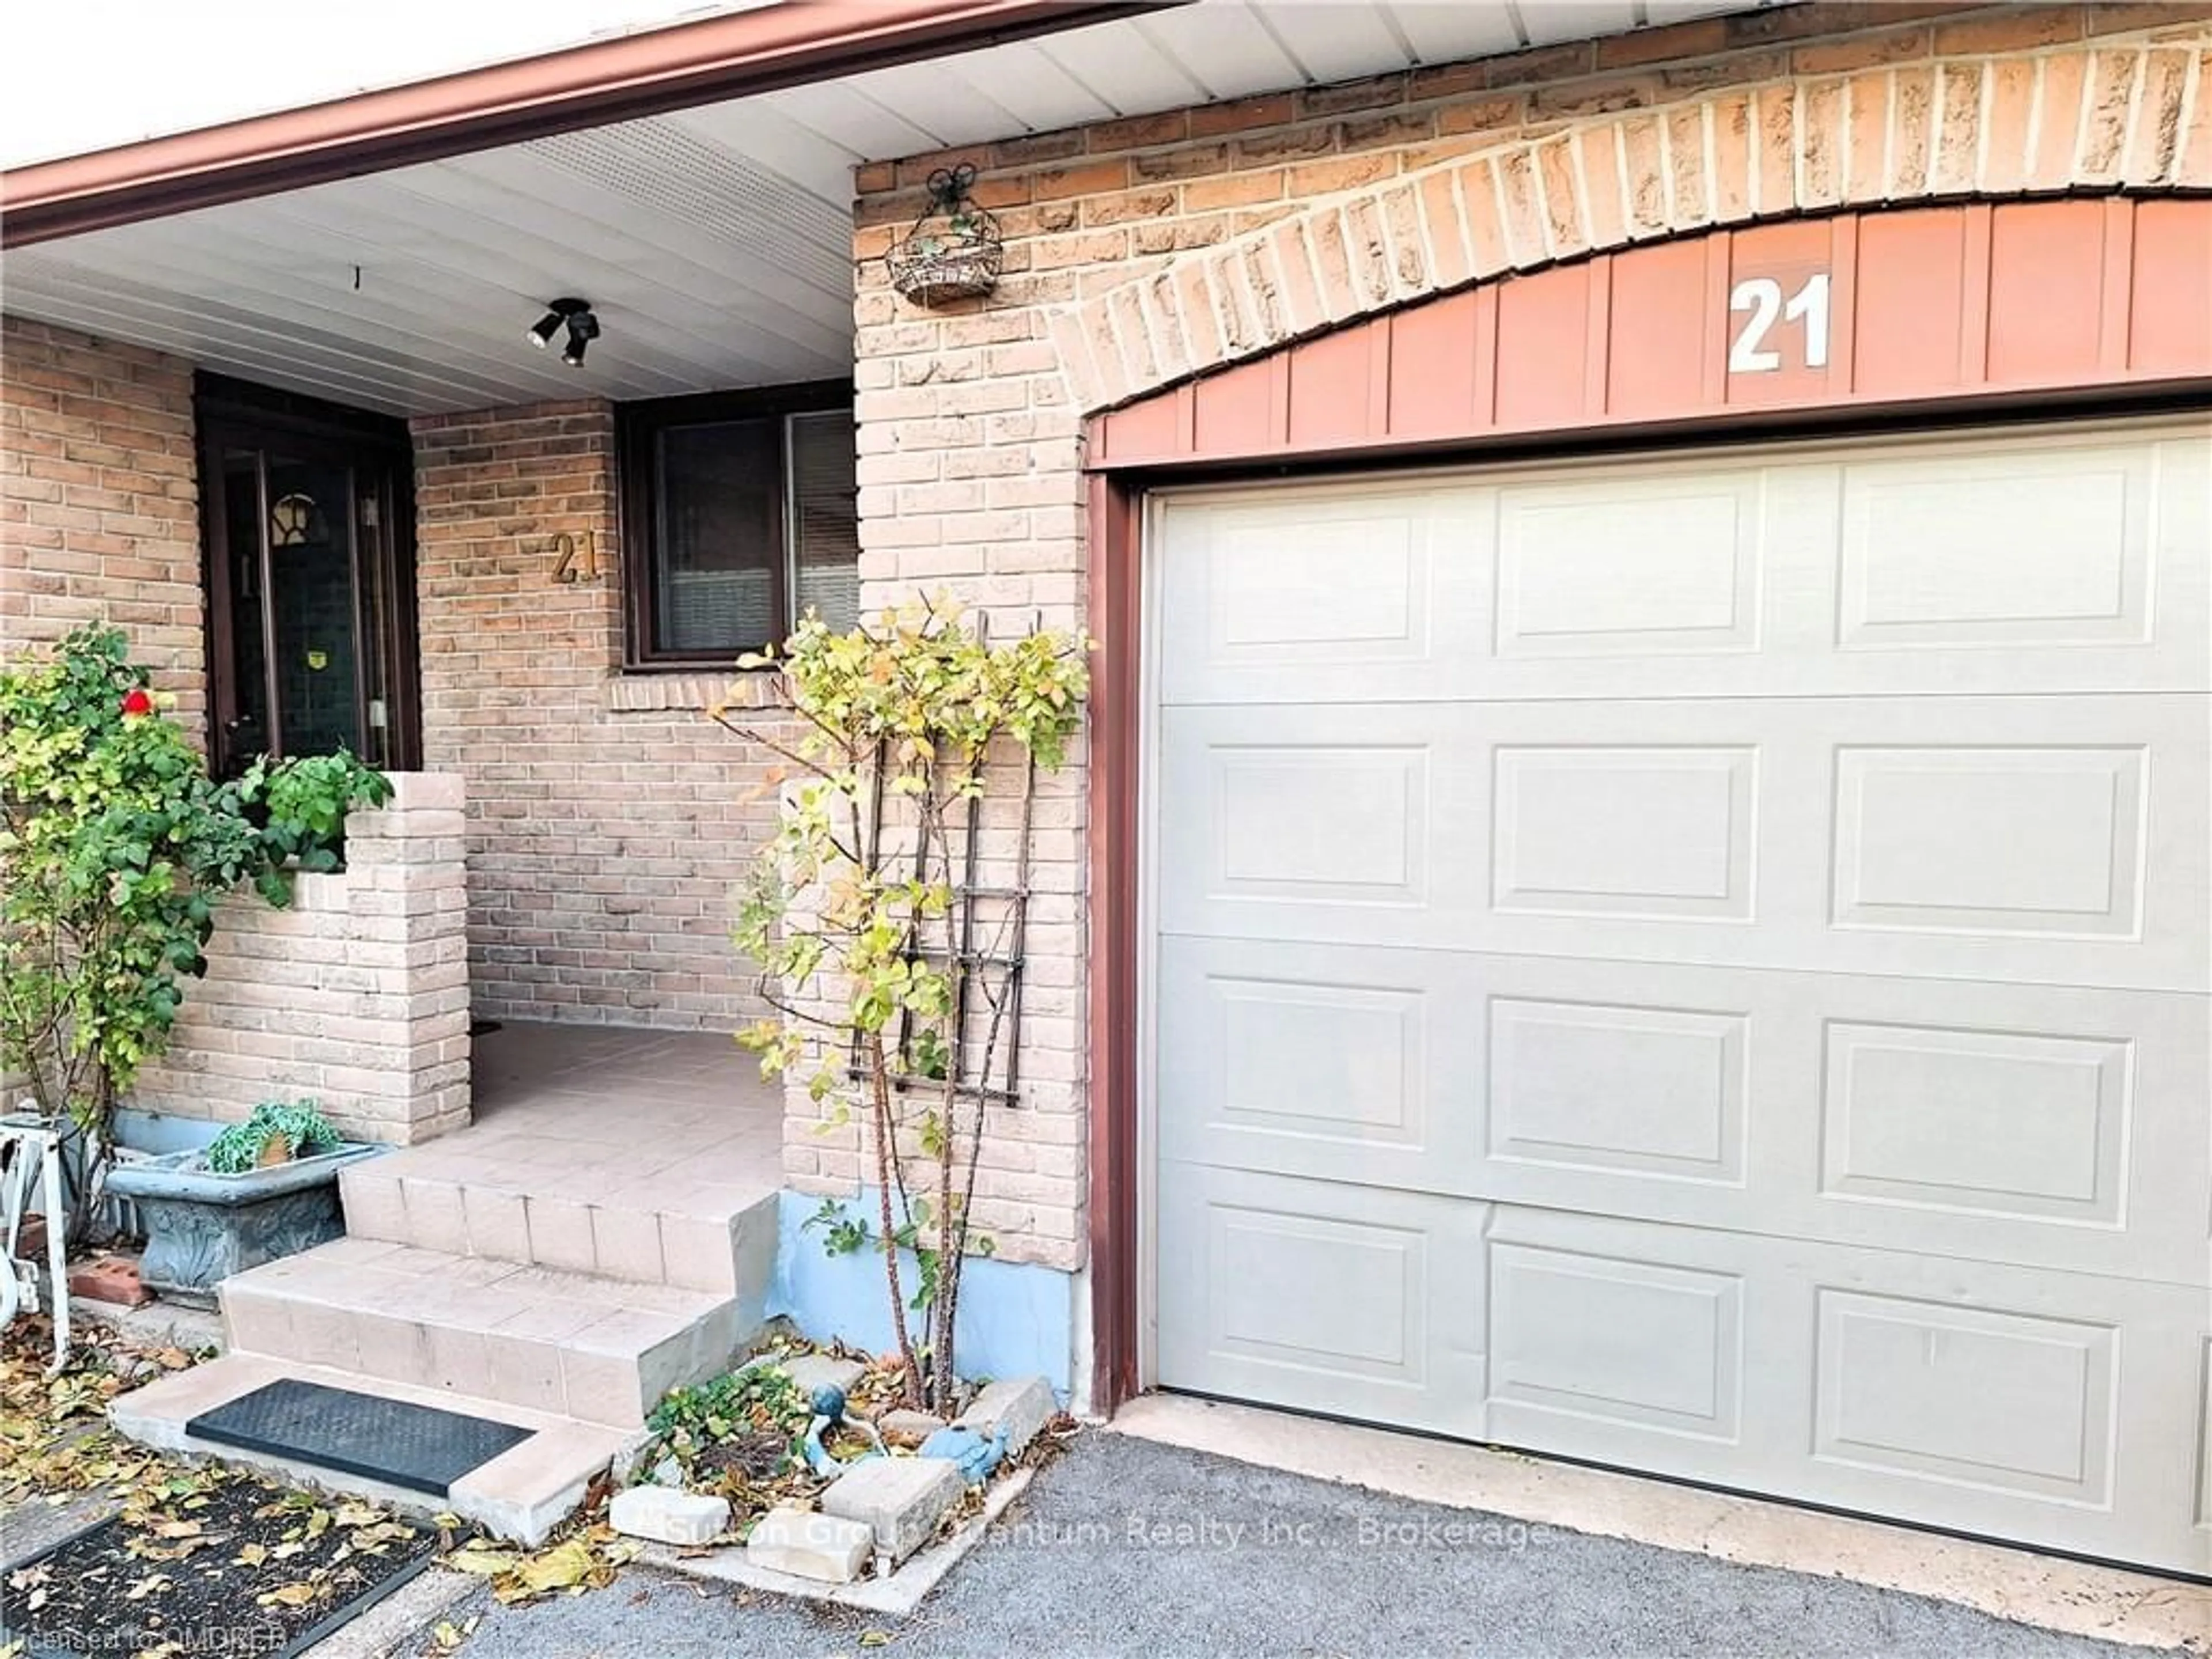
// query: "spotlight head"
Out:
[557,312]
[583,329]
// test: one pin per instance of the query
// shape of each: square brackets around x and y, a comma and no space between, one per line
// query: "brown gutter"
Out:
[618,80]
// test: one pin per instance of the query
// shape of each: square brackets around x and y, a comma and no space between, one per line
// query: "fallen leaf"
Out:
[875,1638]
[177,1529]
[253,1555]
[478,1557]
[171,1359]
[289,1596]
[318,1522]
[146,1586]
[358,1515]
[564,1564]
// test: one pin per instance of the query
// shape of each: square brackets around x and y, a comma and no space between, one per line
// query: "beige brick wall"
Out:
[356,997]
[1140,252]
[99,501]
[608,818]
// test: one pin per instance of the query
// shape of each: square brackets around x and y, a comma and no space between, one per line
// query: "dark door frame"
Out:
[378,453]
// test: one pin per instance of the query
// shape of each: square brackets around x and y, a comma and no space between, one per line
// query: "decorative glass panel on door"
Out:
[313,616]
[303,624]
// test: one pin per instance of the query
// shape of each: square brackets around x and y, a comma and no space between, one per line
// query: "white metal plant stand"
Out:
[30,1159]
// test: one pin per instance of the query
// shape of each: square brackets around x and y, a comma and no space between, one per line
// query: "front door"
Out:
[311,637]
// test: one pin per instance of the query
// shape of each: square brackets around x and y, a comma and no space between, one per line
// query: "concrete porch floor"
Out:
[664,1099]
[584,1138]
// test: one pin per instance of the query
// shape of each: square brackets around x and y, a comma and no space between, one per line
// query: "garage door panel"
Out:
[2011,548]
[1341,1064]
[1384,588]
[1635,831]
[2048,1126]
[1608,1341]
[1334,1298]
[1703,965]
[1982,1396]
[2204,1453]
[1986,837]
[1645,1089]
[2030,1405]
[1667,565]
[2053,564]
[2019,1403]
[1992,1122]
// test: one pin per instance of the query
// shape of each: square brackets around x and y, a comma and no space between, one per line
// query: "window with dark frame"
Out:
[739,516]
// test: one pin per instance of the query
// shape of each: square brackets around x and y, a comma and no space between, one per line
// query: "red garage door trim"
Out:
[1936,313]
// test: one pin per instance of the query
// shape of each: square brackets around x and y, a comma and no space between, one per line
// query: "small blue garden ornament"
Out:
[974,1455]
[829,1414]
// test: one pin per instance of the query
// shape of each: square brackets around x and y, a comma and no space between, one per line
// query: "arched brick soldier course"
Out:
[2133,117]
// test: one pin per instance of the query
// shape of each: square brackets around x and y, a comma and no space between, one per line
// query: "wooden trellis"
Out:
[1004,958]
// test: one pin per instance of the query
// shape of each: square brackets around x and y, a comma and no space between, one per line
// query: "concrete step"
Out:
[579,1345]
[707,1228]
[522,1494]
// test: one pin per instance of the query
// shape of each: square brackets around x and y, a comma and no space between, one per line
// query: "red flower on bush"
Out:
[135,703]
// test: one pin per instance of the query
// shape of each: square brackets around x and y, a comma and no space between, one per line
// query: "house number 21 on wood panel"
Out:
[1756,348]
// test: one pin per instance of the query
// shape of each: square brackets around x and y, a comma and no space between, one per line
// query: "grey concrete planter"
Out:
[202,1227]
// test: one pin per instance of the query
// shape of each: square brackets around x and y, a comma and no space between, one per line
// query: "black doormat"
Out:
[242,1567]
[419,1448]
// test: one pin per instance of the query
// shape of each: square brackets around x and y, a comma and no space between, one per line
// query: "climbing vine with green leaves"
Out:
[114,845]
[847,913]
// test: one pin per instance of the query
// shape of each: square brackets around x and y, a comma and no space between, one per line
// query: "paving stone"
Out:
[817,1370]
[900,1499]
[811,1544]
[669,1515]
[907,1427]
[1024,1405]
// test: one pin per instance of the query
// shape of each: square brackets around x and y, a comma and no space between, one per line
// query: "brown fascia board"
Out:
[677,66]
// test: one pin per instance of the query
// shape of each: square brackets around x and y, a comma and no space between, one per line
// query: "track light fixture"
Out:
[577,316]
[583,329]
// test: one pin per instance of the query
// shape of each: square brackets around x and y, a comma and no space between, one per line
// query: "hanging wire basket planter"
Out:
[954,250]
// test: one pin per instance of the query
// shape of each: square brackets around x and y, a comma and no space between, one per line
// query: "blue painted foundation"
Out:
[1016,1319]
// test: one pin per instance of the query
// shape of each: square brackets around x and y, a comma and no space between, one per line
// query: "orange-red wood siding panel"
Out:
[1921,303]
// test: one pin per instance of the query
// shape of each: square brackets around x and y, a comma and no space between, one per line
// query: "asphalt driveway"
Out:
[1128,1547]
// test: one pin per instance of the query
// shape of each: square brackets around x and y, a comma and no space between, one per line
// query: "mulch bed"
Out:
[211,1561]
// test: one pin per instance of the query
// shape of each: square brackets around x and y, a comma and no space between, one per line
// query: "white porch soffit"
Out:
[714,242]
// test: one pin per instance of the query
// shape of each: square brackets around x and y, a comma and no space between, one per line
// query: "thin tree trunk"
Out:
[880,1087]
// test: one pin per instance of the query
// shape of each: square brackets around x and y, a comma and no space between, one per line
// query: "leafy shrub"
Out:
[300,805]
[737,1402]
[114,845]
[301,1127]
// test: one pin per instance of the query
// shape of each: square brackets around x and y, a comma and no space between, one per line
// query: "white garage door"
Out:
[1702,965]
